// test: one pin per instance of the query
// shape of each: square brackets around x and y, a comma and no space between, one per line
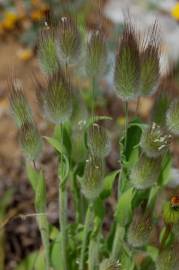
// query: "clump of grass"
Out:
[82,144]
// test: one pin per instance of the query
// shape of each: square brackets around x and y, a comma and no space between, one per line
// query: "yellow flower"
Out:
[175,11]
[121,121]
[10,19]
[25,54]
[37,15]
[1,28]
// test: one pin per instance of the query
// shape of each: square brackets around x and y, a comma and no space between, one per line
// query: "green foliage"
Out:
[124,207]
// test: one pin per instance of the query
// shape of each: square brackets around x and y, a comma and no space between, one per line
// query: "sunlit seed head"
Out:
[154,141]
[139,230]
[47,51]
[30,141]
[18,103]
[127,65]
[96,54]
[172,117]
[109,264]
[57,99]
[92,184]
[149,62]
[98,141]
[168,259]
[145,173]
[68,40]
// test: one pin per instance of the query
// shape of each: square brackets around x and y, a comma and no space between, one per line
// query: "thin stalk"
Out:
[117,243]
[126,125]
[137,106]
[63,214]
[166,235]
[118,237]
[63,225]
[93,257]
[85,235]
[44,232]
[93,97]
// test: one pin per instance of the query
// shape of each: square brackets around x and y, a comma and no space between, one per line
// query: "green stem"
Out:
[85,235]
[117,243]
[137,106]
[44,232]
[63,213]
[93,253]
[119,233]
[166,235]
[93,258]
[63,225]
[126,125]
[93,97]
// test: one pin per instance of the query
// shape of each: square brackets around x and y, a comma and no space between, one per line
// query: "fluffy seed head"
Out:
[171,213]
[149,63]
[154,142]
[47,51]
[57,99]
[127,66]
[30,141]
[68,40]
[109,264]
[172,117]
[145,173]
[160,108]
[92,184]
[96,54]
[139,230]
[18,103]
[98,141]
[168,259]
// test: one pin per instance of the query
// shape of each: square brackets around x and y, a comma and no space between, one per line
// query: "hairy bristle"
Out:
[58,99]
[139,229]
[150,61]
[68,40]
[96,54]
[109,264]
[172,117]
[154,141]
[47,51]
[127,66]
[30,141]
[18,103]
[98,140]
[145,173]
[92,184]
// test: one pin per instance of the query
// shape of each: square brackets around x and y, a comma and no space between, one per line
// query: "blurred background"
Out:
[20,21]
